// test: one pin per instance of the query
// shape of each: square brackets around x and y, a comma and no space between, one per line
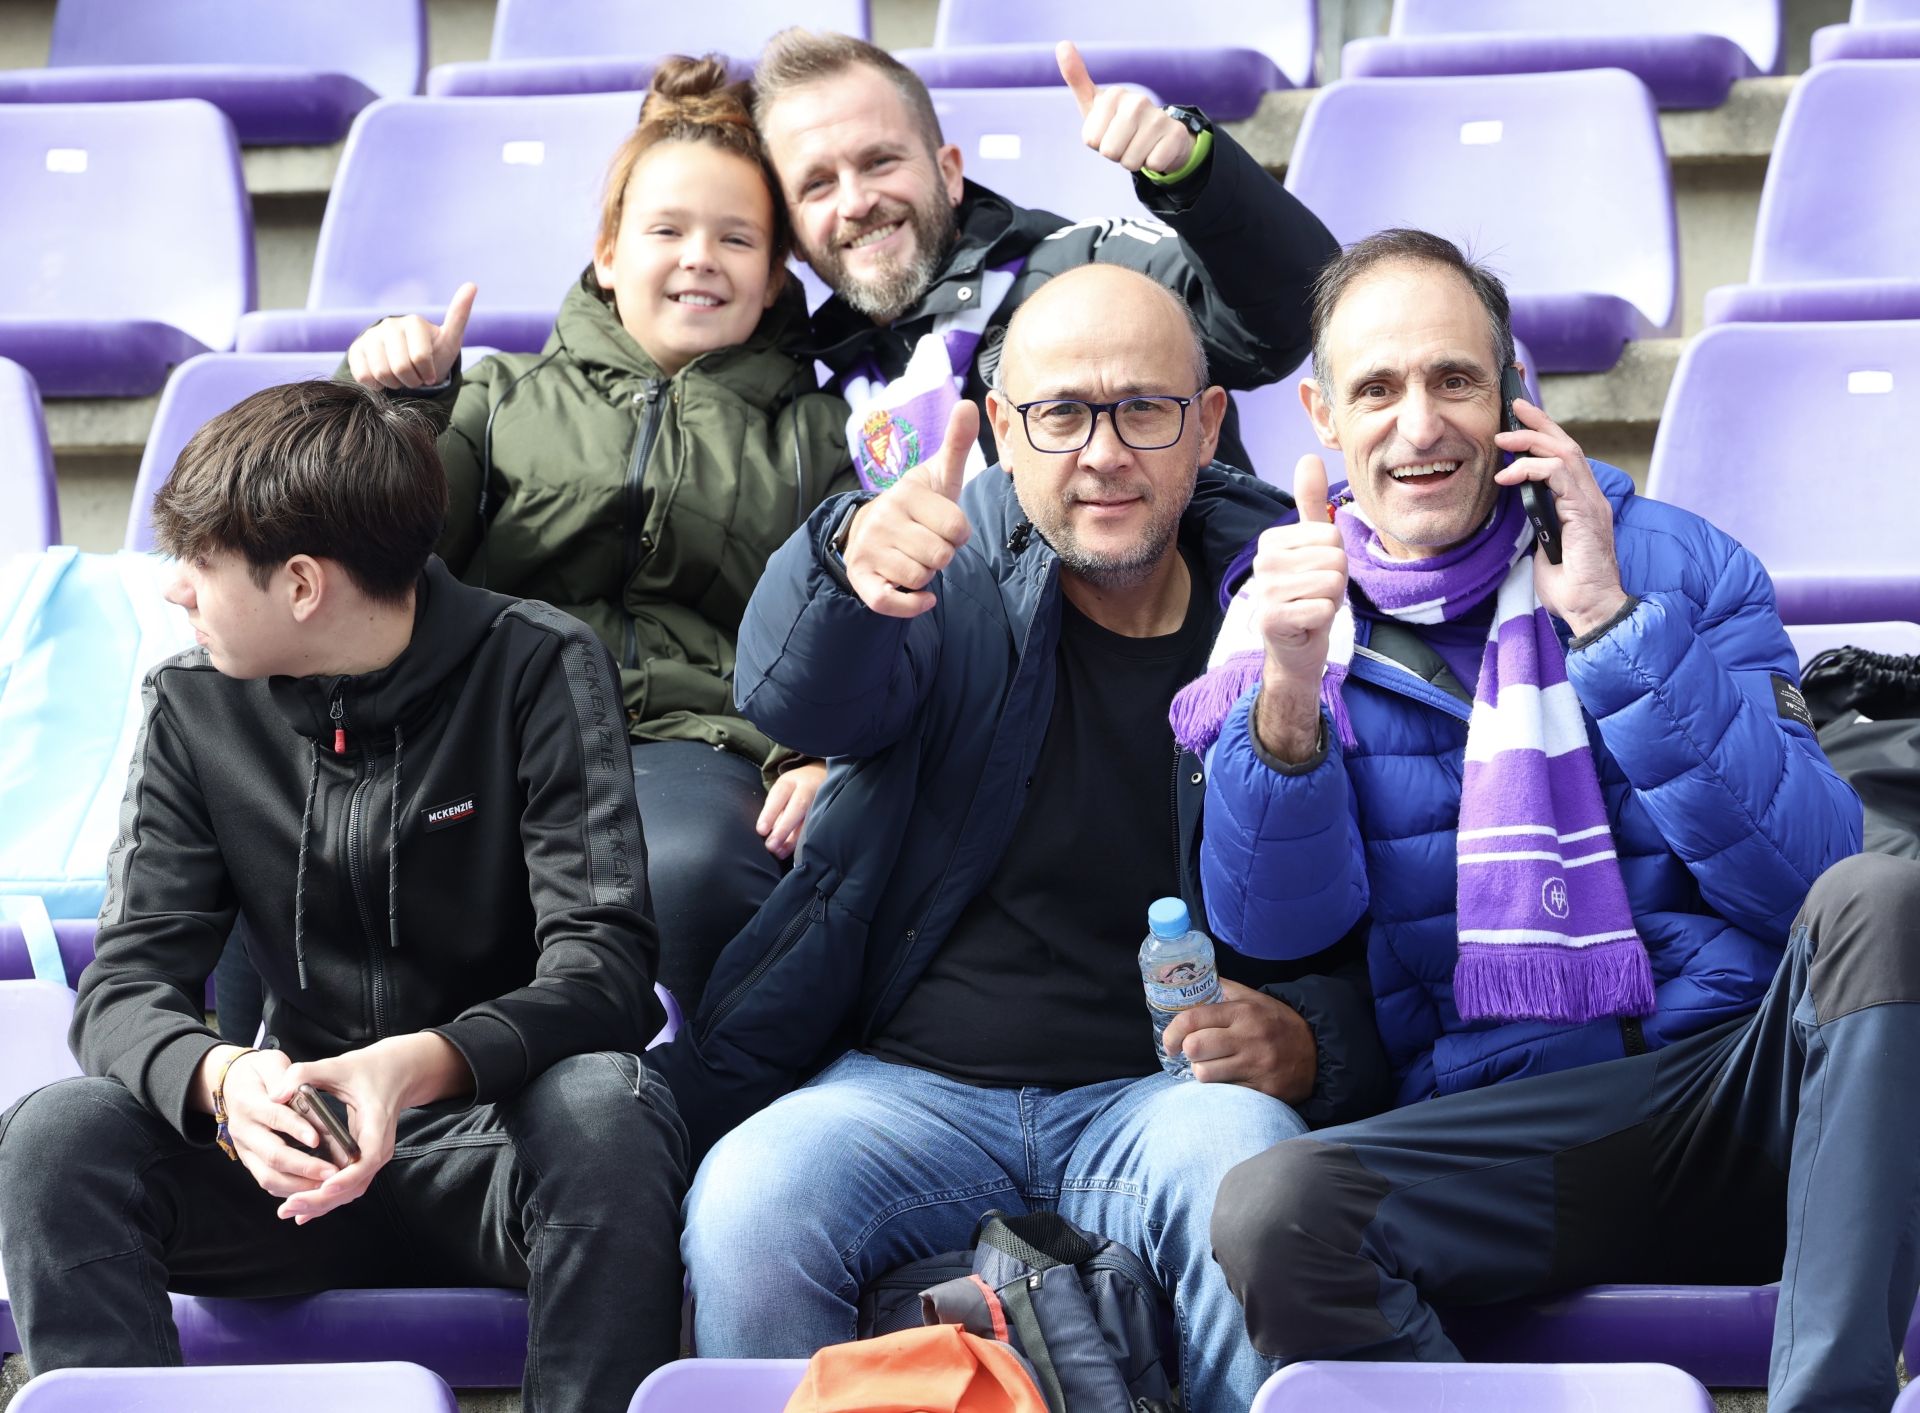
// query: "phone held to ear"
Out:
[336,1144]
[1535,498]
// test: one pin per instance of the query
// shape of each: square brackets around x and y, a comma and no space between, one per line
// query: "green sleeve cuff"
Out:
[1202,149]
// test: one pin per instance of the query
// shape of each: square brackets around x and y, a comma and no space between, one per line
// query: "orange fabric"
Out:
[938,1369]
[994,1308]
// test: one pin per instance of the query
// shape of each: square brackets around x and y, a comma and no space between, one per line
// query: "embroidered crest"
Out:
[886,447]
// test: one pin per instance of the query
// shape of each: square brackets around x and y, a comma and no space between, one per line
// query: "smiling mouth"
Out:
[873,237]
[1425,473]
[696,299]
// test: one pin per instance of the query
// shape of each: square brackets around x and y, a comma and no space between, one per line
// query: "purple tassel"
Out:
[1335,701]
[1571,985]
[1201,707]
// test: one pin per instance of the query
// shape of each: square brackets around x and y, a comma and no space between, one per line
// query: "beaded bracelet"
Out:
[221,1135]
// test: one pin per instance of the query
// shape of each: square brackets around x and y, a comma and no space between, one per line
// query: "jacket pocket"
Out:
[809,915]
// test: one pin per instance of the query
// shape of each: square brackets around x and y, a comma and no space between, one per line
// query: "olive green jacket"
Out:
[643,505]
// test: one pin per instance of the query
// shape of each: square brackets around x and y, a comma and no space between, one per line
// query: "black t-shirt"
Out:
[1039,984]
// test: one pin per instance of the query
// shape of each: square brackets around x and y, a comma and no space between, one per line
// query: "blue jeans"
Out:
[875,1164]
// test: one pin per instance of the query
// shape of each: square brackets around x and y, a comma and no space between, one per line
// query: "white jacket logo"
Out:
[453,812]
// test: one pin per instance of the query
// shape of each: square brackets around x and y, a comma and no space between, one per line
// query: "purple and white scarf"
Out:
[1546,932]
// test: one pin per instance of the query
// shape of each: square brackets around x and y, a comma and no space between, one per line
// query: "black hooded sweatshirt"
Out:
[448,844]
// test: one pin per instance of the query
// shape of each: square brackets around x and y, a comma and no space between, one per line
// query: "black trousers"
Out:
[1784,1147]
[570,1190]
[708,872]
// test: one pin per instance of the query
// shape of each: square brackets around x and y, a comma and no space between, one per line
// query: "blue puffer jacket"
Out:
[932,724]
[1723,810]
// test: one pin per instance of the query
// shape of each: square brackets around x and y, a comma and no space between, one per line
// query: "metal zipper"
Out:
[643,440]
[813,912]
[356,874]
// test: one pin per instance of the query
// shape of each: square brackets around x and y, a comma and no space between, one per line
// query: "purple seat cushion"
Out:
[1806,300]
[1227,82]
[96,357]
[1722,1335]
[1577,333]
[1361,1387]
[732,1385]
[268,104]
[517,78]
[1682,70]
[1889,41]
[75,937]
[301,330]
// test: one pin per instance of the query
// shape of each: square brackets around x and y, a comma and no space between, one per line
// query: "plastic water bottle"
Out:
[1176,966]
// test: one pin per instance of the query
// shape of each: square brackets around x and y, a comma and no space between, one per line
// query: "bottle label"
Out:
[1178,985]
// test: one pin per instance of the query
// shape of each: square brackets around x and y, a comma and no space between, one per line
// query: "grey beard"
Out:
[886,299]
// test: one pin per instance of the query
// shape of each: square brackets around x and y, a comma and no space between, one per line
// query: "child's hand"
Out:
[785,814]
[405,351]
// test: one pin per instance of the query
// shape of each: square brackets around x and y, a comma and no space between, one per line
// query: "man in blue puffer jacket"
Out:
[1582,806]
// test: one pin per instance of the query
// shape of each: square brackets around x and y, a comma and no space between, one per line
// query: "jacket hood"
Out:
[1228,511]
[761,369]
[449,619]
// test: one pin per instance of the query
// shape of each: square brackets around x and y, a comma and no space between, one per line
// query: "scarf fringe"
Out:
[1505,982]
[1200,709]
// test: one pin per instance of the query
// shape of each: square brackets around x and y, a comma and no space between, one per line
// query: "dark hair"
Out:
[691,100]
[796,57]
[1404,244]
[329,469]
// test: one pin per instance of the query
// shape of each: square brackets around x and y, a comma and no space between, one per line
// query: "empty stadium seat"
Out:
[1024,143]
[1485,1388]
[74,936]
[1688,55]
[1557,181]
[1876,29]
[599,46]
[286,1388]
[1221,57]
[434,192]
[126,242]
[290,71]
[1812,639]
[710,1385]
[1796,439]
[1276,431]
[1838,235]
[34,1016]
[27,486]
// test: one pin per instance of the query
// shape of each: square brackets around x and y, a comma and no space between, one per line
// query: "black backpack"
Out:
[1084,1311]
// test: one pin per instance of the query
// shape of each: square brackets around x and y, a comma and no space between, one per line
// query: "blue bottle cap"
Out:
[1167,917]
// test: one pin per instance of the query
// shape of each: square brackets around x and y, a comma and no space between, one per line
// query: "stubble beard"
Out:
[886,296]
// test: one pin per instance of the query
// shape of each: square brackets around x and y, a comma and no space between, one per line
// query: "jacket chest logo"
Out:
[444,816]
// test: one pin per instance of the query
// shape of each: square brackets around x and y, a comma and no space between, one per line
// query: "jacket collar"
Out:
[449,620]
[991,231]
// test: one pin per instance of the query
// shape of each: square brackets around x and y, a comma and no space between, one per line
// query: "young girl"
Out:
[638,472]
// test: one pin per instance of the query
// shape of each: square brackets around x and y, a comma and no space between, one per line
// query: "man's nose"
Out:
[1420,424]
[857,198]
[180,591]
[1104,450]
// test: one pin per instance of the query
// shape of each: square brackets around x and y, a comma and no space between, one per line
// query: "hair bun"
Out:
[694,92]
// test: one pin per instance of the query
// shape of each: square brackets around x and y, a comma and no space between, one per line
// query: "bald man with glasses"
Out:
[949,975]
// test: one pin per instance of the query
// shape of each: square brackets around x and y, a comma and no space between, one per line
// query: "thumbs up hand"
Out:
[1123,124]
[1299,582]
[911,531]
[407,351]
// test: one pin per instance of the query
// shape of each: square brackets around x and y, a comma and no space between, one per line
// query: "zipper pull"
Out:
[338,712]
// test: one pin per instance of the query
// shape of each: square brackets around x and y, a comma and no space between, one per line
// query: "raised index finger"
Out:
[1074,70]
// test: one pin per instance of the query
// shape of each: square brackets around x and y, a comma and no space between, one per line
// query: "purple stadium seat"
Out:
[1812,639]
[1276,431]
[1025,144]
[74,935]
[1877,29]
[126,242]
[712,1385]
[1758,414]
[1722,1335]
[202,387]
[290,71]
[27,485]
[600,46]
[34,1016]
[1222,57]
[304,1388]
[1838,235]
[1558,181]
[434,192]
[1688,55]
[1485,1388]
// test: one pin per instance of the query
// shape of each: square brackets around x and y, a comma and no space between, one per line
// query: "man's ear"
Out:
[1001,416]
[305,582]
[1211,408]
[948,160]
[1314,399]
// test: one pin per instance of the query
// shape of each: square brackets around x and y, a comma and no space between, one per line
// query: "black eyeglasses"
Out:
[1065,424]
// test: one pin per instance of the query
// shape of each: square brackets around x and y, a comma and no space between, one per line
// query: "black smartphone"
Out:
[1535,498]
[337,1145]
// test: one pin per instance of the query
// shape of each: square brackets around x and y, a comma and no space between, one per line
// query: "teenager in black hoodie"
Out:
[421,796]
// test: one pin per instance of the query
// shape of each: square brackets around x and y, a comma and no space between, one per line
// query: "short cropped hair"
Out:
[1405,245]
[796,57]
[329,469]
